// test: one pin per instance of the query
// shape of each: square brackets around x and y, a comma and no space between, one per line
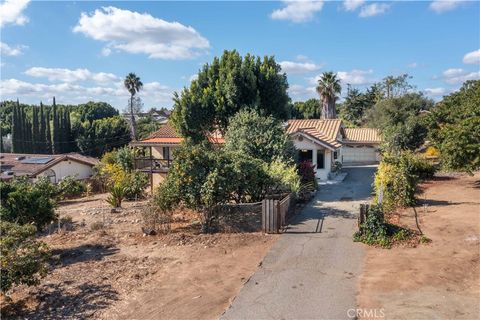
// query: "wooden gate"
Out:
[274,214]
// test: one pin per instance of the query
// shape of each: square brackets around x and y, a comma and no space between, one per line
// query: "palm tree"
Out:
[133,84]
[328,88]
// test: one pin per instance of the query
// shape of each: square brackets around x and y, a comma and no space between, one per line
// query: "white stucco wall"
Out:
[71,168]
[157,152]
[306,144]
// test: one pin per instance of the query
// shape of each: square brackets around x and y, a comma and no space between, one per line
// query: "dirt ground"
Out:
[439,280]
[115,272]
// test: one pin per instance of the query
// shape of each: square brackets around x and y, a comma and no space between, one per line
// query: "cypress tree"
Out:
[35,130]
[42,146]
[55,145]
[48,134]
[71,142]
[14,129]
[23,129]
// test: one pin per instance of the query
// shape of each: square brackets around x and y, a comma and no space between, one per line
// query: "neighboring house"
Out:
[322,142]
[161,116]
[157,151]
[54,166]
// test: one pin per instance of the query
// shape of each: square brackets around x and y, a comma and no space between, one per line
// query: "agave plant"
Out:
[117,193]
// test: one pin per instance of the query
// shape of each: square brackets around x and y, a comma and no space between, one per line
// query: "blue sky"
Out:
[79,51]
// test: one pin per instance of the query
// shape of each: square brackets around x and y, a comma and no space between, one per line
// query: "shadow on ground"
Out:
[55,302]
[87,252]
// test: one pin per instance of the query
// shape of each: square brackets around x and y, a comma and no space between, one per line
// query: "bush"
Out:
[259,137]
[284,177]
[23,259]
[307,174]
[23,202]
[397,178]
[203,177]
[117,193]
[69,187]
[375,231]
[125,157]
[134,184]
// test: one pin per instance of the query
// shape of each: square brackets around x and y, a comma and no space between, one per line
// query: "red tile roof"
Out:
[365,135]
[166,134]
[324,130]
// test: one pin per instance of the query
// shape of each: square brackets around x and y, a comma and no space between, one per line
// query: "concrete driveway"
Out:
[312,271]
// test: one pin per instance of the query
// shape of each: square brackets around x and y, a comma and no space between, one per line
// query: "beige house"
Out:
[156,151]
[322,142]
[54,166]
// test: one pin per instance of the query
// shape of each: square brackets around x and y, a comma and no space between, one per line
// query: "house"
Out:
[322,142]
[54,166]
[156,151]
[326,141]
[161,116]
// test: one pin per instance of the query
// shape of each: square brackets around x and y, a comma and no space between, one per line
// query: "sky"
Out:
[80,51]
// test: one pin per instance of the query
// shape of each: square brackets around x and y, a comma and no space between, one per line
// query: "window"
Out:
[320,159]
[335,155]
[166,153]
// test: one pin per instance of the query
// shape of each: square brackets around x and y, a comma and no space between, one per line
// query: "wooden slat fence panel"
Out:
[274,214]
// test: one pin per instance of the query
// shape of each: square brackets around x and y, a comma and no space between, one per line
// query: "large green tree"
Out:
[306,109]
[133,84]
[329,88]
[401,120]
[455,128]
[258,137]
[224,87]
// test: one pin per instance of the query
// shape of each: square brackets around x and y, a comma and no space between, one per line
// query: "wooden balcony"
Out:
[152,165]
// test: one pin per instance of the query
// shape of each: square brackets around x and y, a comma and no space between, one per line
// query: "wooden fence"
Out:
[274,213]
[362,217]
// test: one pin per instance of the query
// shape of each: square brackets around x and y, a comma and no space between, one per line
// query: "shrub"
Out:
[284,177]
[70,187]
[125,157]
[134,184]
[307,173]
[397,178]
[23,259]
[259,137]
[97,225]
[24,203]
[117,193]
[374,230]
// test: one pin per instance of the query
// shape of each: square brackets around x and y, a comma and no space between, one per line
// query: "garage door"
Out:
[359,154]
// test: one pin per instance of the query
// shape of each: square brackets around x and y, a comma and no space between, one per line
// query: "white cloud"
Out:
[11,12]
[440,6]
[292,67]
[472,57]
[297,11]
[299,92]
[106,51]
[69,75]
[373,9]
[412,65]
[193,77]
[435,91]
[457,75]
[135,32]
[352,5]
[7,50]
[153,93]
[356,77]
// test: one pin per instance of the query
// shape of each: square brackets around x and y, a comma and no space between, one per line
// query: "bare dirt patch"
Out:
[439,280]
[115,272]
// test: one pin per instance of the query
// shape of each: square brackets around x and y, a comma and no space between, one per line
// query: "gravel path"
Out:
[312,271]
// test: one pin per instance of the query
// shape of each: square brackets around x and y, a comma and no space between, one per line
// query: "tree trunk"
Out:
[325,111]
[132,120]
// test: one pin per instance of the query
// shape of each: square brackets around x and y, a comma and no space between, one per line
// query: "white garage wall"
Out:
[72,168]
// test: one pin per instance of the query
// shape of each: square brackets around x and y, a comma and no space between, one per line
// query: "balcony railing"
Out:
[148,164]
